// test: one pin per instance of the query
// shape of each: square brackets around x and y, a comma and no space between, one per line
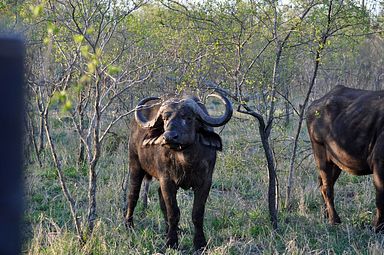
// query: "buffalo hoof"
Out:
[378,227]
[199,252]
[129,224]
[199,243]
[172,243]
[335,221]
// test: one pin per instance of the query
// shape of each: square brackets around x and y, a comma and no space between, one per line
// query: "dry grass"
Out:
[236,219]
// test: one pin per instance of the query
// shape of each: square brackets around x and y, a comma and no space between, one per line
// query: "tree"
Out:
[85,68]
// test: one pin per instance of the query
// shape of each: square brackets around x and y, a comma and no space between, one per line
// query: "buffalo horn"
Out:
[140,118]
[216,121]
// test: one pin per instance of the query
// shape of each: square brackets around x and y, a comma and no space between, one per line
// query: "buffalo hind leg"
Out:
[168,191]
[327,179]
[199,200]
[378,180]
[136,178]
[328,174]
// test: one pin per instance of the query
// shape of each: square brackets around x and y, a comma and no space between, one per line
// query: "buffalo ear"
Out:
[210,139]
[153,136]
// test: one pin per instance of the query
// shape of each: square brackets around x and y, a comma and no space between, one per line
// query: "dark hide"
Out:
[184,158]
[346,131]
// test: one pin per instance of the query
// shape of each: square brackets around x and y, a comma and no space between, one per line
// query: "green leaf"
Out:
[85,78]
[46,40]
[113,70]
[52,29]
[36,10]
[67,105]
[90,30]
[63,95]
[78,88]
[84,51]
[91,67]
[78,38]
[59,97]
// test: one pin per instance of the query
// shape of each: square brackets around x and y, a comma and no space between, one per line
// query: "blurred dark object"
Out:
[11,136]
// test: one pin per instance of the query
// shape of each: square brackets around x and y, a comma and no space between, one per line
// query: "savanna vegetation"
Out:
[88,63]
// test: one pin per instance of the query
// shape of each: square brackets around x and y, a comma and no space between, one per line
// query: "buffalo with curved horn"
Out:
[174,142]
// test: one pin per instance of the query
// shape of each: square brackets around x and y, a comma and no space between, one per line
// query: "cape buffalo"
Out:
[173,140]
[346,128]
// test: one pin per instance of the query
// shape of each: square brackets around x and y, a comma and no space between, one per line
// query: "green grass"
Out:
[236,218]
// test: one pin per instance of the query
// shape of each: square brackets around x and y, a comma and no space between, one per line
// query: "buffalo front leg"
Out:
[163,209]
[144,196]
[136,177]
[199,200]
[168,195]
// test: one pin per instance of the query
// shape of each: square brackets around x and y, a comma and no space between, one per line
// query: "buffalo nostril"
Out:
[170,136]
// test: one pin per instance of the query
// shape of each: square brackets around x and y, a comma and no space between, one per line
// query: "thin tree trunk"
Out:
[272,177]
[265,130]
[33,139]
[272,195]
[92,188]
[286,106]
[81,152]
[92,205]
[290,181]
[67,195]
[41,133]
[27,141]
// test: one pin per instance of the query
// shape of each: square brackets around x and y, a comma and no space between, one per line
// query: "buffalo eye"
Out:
[186,116]
[166,115]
